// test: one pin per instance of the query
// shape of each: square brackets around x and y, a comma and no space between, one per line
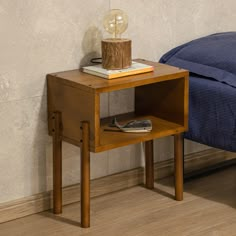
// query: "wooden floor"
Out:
[209,208]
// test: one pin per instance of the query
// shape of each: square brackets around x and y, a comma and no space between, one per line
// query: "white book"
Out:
[135,68]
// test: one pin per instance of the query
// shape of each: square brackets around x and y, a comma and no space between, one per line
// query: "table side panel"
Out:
[186,101]
[75,105]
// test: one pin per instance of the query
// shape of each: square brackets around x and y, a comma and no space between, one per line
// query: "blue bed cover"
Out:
[212,113]
[211,61]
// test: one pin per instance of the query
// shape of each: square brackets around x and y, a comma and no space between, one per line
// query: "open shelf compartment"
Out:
[114,139]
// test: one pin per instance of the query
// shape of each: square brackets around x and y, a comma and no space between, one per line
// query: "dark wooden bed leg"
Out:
[85,176]
[149,166]
[178,152]
[209,170]
[57,162]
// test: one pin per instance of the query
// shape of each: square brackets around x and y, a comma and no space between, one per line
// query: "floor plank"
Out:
[208,209]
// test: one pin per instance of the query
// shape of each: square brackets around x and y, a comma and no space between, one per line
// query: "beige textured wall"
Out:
[38,37]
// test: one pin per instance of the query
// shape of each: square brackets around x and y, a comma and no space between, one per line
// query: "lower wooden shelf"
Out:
[114,139]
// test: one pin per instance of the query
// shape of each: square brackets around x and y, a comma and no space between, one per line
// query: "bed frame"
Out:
[207,170]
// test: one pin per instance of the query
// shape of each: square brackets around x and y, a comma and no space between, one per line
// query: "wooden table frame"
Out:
[87,141]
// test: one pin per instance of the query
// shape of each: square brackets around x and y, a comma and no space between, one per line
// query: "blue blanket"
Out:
[213,56]
[212,113]
[212,101]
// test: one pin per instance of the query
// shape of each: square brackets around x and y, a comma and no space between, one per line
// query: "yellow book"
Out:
[135,68]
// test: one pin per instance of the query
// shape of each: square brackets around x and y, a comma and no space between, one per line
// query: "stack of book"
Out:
[135,68]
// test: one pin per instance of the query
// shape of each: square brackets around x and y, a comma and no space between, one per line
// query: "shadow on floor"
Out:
[49,214]
[219,186]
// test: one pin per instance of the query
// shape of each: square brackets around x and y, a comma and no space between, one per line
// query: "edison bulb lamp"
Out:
[116,51]
[115,22]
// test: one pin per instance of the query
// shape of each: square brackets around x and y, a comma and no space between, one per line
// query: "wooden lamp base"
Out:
[116,53]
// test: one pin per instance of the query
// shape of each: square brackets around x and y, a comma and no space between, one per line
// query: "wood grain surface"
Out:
[71,194]
[116,53]
[208,209]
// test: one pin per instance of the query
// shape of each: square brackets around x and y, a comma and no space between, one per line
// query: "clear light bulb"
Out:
[115,22]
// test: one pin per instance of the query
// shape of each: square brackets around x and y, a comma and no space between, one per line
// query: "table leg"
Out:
[85,176]
[149,166]
[57,162]
[178,156]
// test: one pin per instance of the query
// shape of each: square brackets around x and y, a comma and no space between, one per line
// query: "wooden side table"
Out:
[74,117]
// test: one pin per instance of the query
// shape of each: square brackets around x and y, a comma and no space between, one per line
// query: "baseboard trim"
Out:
[43,201]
